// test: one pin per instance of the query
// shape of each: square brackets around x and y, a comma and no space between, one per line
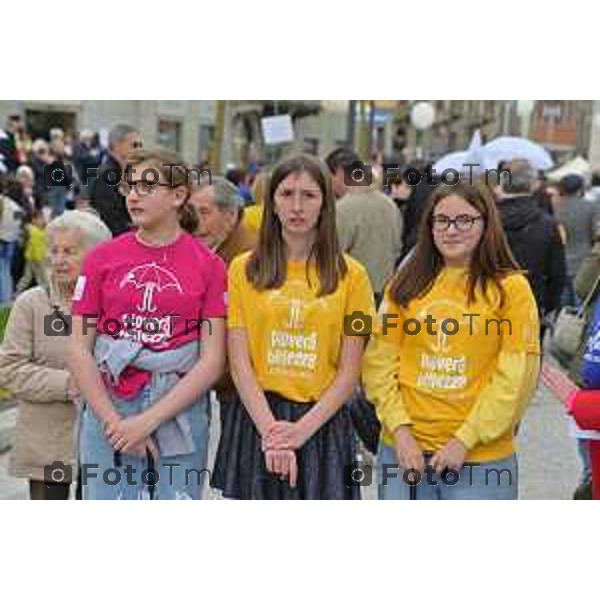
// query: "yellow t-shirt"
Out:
[471,381]
[252,217]
[294,336]
[35,250]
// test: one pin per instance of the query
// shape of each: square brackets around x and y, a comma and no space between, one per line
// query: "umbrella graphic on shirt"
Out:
[151,278]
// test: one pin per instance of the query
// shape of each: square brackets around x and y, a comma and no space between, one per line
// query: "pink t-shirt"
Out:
[154,295]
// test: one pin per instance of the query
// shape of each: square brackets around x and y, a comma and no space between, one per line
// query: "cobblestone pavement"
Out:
[548,461]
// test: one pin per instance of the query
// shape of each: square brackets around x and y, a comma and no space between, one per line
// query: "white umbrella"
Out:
[577,166]
[454,160]
[511,148]
[471,160]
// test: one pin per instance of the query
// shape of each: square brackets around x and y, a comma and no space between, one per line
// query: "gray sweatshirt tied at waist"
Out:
[113,355]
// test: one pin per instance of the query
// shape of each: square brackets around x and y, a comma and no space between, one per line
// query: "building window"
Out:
[169,134]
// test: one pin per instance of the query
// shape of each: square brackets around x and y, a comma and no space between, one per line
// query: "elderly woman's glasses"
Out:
[142,188]
[461,222]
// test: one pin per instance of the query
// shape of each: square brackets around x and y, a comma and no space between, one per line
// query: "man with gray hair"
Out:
[106,199]
[533,236]
[219,207]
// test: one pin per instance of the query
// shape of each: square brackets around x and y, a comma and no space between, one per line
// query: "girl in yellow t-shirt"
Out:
[299,312]
[455,356]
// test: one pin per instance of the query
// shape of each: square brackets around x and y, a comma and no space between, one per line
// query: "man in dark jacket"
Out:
[8,144]
[533,236]
[106,199]
[86,154]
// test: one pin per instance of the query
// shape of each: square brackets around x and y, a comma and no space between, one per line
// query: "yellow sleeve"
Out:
[360,292]
[503,401]
[381,364]
[236,283]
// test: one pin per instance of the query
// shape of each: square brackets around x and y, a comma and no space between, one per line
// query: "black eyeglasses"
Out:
[142,188]
[461,222]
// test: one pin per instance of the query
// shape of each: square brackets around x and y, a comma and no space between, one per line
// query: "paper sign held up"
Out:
[277,129]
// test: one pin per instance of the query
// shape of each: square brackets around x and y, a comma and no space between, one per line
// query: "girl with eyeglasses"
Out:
[148,343]
[455,356]
[294,356]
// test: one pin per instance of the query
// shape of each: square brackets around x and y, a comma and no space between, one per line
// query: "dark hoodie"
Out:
[536,244]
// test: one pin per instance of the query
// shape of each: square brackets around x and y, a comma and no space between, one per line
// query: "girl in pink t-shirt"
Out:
[148,342]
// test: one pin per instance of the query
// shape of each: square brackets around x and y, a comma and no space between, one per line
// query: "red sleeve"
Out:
[585,408]
[214,305]
[87,297]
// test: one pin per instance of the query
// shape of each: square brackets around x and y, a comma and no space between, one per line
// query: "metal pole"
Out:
[364,132]
[351,125]
[371,126]
[217,149]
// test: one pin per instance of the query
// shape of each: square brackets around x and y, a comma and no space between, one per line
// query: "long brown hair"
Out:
[492,260]
[267,266]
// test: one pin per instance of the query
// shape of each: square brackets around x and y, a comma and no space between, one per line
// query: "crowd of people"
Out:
[325,315]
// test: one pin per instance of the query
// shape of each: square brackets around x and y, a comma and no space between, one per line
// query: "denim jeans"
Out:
[583,447]
[496,480]
[7,250]
[57,197]
[178,477]
[568,296]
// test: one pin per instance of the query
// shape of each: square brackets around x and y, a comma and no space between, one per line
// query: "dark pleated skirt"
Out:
[323,462]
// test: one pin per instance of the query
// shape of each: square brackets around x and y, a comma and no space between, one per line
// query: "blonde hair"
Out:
[259,188]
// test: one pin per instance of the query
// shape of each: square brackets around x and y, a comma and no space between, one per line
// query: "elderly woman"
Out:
[32,361]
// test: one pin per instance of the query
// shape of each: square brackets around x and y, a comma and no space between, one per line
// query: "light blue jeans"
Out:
[178,477]
[583,447]
[484,481]
[7,250]
[57,197]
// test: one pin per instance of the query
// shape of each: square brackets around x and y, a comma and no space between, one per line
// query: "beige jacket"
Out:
[32,367]
[369,227]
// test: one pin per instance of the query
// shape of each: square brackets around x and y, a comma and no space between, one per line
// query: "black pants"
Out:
[40,490]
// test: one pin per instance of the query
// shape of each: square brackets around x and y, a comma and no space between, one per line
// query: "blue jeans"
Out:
[178,477]
[483,481]
[568,296]
[7,250]
[583,447]
[57,197]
